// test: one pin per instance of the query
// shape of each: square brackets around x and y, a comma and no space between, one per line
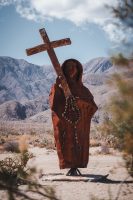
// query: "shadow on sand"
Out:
[104,179]
[96,178]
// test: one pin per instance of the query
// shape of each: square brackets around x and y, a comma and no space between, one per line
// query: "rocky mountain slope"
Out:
[20,80]
[24,87]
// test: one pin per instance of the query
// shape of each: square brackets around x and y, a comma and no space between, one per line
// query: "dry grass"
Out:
[35,134]
[94,142]
[31,137]
[23,143]
[11,146]
[21,127]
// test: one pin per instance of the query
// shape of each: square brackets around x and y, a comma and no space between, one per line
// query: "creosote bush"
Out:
[12,146]
[120,107]
[14,172]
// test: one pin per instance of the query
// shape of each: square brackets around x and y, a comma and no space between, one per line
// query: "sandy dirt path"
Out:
[113,164]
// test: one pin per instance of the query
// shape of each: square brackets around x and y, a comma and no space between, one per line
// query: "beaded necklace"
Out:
[72,115]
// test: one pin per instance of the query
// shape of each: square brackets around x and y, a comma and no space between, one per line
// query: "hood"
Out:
[79,69]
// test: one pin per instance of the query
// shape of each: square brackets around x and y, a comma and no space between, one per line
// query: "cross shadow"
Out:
[95,178]
[98,178]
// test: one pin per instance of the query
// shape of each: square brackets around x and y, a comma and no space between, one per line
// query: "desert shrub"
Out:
[47,143]
[121,106]
[14,172]
[2,141]
[122,112]
[50,132]
[104,148]
[12,146]
[33,132]
[120,124]
[107,130]
[23,143]
[94,143]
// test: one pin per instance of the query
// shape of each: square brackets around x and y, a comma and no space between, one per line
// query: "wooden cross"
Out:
[71,112]
[49,47]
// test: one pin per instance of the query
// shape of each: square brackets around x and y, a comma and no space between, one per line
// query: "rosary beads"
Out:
[72,114]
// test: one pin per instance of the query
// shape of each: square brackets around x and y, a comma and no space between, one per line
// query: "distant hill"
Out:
[20,80]
[15,110]
[24,87]
[98,65]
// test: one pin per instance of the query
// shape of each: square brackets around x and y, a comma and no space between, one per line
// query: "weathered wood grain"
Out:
[44,47]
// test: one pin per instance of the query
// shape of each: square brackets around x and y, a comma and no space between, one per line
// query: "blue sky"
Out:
[20,22]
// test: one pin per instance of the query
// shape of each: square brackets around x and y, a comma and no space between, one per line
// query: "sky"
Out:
[89,26]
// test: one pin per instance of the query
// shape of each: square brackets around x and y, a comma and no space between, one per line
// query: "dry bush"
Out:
[18,145]
[121,105]
[14,172]
[50,132]
[23,143]
[12,146]
[47,143]
[120,125]
[2,140]
[43,141]
[94,143]
[20,128]
[105,148]
[107,131]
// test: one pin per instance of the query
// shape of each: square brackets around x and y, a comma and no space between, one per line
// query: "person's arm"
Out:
[90,98]
[57,99]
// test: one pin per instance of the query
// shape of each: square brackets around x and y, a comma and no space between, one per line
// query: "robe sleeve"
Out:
[90,99]
[57,100]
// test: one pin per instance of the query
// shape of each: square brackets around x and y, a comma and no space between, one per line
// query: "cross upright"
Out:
[49,47]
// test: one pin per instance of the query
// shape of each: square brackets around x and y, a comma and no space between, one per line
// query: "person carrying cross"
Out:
[72,107]
[72,143]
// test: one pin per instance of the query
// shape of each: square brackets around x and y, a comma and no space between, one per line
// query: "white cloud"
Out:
[6,2]
[78,12]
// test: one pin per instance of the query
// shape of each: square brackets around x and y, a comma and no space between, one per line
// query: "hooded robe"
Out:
[70,156]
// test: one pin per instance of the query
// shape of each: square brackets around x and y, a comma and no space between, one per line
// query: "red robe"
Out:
[70,156]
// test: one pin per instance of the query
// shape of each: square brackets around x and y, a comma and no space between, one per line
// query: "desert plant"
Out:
[120,123]
[47,143]
[23,143]
[122,110]
[13,172]
[121,106]
[12,146]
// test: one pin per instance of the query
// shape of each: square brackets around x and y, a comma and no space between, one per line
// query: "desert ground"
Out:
[103,160]
[118,185]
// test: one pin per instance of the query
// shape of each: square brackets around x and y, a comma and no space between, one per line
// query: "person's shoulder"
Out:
[56,89]
[85,88]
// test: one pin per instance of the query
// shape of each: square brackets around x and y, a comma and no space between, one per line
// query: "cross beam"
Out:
[49,47]
[43,47]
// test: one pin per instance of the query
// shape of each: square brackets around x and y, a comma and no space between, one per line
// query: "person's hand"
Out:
[58,83]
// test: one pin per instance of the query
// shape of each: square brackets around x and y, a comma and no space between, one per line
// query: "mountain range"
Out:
[25,87]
